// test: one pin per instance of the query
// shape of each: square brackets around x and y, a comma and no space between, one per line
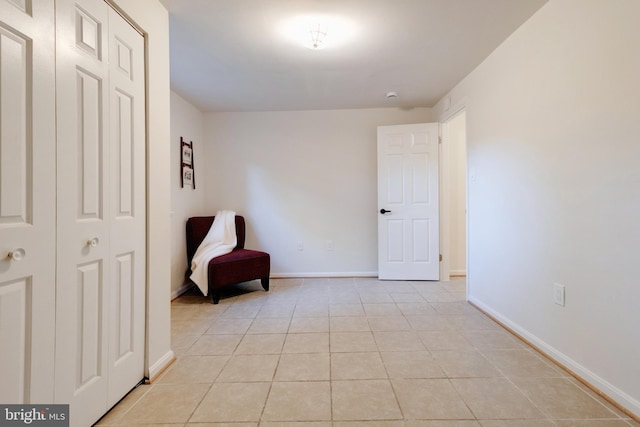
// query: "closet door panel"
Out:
[101,209]
[127,213]
[16,196]
[15,358]
[90,151]
[27,201]
[89,314]
[82,326]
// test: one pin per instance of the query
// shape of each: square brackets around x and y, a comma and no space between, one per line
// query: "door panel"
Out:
[88,33]
[83,231]
[124,156]
[16,197]
[127,213]
[408,187]
[395,240]
[89,315]
[102,128]
[27,222]
[15,358]
[420,230]
[420,179]
[90,146]
[124,298]
[395,179]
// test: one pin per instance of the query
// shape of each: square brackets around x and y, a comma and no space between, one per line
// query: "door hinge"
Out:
[439,139]
[440,257]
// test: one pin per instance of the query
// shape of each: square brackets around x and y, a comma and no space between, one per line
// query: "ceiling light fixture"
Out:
[317,32]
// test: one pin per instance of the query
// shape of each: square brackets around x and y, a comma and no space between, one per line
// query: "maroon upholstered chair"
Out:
[240,265]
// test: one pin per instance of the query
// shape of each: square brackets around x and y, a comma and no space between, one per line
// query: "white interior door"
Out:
[100,299]
[408,217]
[27,201]
[127,207]
[83,205]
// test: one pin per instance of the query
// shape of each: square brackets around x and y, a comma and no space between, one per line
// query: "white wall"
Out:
[153,19]
[302,177]
[187,122]
[553,127]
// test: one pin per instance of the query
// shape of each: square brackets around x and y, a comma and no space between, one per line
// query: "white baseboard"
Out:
[458,273]
[181,290]
[160,365]
[325,274]
[598,384]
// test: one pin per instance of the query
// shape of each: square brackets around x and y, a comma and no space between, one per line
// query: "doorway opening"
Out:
[454,196]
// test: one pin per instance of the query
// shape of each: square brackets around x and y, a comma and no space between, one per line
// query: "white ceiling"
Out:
[229,55]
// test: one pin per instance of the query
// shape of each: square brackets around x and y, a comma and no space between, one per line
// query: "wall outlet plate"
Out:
[558,294]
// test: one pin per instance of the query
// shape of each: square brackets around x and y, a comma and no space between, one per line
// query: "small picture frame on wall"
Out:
[187,154]
[187,177]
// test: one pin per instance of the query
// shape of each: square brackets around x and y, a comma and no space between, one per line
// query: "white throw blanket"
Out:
[220,240]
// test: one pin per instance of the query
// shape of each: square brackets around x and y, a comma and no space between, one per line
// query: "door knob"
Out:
[17,254]
[93,242]
[384,211]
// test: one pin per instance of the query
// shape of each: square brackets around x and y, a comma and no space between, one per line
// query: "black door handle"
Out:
[384,211]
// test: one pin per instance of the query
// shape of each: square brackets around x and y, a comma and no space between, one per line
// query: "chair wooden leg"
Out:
[265,283]
[215,297]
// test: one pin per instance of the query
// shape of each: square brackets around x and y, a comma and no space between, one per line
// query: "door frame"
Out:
[445,168]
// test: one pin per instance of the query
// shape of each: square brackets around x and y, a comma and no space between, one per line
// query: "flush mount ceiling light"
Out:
[317,31]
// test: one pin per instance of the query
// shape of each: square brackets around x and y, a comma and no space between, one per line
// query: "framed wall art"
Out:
[187,178]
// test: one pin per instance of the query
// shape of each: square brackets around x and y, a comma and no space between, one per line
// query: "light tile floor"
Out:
[354,352]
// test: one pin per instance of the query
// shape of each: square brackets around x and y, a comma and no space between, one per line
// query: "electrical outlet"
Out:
[300,246]
[329,245]
[558,294]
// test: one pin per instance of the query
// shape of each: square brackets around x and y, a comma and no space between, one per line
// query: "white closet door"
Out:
[101,208]
[27,201]
[82,325]
[127,207]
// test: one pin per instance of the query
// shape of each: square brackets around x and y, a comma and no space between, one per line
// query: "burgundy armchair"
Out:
[240,265]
